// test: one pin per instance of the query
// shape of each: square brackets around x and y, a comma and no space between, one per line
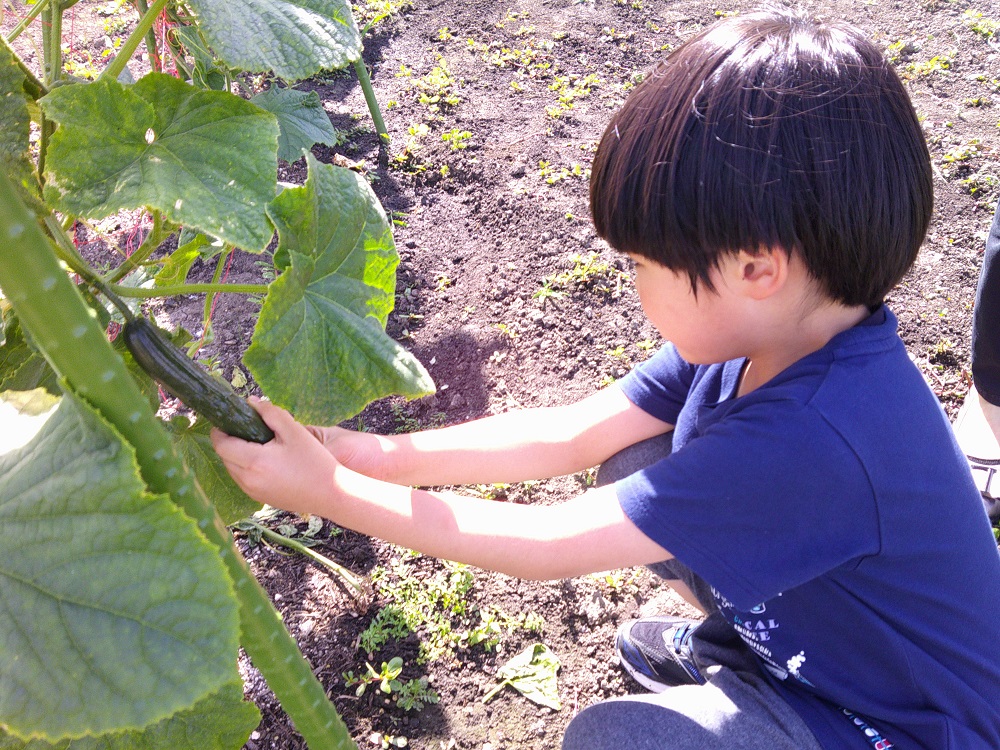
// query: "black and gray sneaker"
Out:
[656,651]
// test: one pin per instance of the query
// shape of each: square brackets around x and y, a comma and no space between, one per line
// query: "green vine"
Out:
[154,57]
[170,291]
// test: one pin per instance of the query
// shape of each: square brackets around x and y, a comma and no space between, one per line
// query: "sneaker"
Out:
[656,651]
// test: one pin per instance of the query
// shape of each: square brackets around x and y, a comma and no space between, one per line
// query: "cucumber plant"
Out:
[123,600]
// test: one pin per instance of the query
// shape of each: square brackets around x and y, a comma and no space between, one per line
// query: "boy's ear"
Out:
[762,275]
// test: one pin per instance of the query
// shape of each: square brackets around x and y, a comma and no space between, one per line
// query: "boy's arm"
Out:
[295,472]
[510,447]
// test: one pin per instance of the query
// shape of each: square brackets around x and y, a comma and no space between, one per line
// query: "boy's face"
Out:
[704,328]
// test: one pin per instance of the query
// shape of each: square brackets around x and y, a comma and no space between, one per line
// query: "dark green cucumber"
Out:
[212,398]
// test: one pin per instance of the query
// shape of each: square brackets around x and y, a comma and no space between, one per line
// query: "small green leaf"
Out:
[294,38]
[231,503]
[222,721]
[313,526]
[115,612]
[175,269]
[206,72]
[319,348]
[533,674]
[301,118]
[204,158]
[239,379]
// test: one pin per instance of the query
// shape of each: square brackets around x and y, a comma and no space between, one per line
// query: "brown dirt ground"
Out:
[479,229]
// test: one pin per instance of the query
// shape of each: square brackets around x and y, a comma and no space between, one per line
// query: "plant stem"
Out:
[181,66]
[360,591]
[46,44]
[220,265]
[154,58]
[366,86]
[45,130]
[131,44]
[170,291]
[52,311]
[55,42]
[149,244]
[26,21]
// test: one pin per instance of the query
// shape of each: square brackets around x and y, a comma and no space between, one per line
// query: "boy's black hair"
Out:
[769,130]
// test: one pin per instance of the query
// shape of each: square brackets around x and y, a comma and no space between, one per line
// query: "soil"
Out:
[482,232]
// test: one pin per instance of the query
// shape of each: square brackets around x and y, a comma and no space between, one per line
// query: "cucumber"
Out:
[212,398]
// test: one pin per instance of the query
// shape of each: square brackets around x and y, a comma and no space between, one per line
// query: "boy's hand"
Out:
[362,452]
[294,471]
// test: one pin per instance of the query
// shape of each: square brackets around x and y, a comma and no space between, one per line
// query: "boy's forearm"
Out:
[585,535]
[520,445]
[510,447]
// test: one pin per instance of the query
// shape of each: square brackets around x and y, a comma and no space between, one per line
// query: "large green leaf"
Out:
[302,120]
[206,159]
[194,443]
[115,612]
[294,38]
[222,721]
[319,348]
[14,121]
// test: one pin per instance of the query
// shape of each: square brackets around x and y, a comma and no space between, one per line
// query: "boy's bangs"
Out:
[769,132]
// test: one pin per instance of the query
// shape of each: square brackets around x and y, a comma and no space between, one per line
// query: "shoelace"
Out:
[682,638]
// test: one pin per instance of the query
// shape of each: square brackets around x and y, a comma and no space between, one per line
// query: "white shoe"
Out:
[978,440]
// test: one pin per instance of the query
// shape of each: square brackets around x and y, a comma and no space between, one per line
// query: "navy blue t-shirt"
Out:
[836,519]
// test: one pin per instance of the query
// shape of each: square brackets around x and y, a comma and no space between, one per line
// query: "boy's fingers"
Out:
[231,449]
[274,416]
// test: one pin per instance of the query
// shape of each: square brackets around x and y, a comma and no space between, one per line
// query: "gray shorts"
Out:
[737,709]
[732,711]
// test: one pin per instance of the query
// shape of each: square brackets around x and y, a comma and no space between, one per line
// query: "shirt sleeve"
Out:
[759,502]
[660,385]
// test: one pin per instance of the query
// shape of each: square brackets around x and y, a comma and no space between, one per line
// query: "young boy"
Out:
[771,183]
